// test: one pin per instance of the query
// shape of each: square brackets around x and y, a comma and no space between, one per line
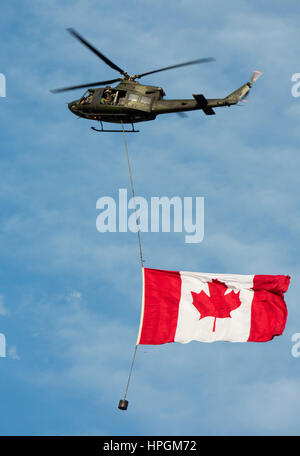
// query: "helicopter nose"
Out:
[73,106]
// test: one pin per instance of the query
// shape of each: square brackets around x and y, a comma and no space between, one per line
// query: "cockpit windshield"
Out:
[87,97]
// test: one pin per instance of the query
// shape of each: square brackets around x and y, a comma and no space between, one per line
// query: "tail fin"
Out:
[241,93]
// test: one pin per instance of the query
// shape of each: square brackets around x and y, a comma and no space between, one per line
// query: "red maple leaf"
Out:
[218,304]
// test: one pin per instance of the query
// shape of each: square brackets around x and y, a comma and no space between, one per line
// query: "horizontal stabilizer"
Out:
[202,102]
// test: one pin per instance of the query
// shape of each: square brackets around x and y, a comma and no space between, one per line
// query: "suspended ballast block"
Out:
[123,404]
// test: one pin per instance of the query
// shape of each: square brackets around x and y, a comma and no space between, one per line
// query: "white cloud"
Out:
[243,161]
[3,310]
[180,387]
[12,352]
[281,402]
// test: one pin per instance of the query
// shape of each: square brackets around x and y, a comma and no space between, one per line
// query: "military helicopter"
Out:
[130,102]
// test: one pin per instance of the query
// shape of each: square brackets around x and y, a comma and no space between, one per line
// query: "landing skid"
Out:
[114,131]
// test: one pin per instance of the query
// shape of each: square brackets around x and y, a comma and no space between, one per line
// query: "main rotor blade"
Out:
[82,86]
[93,49]
[181,114]
[192,62]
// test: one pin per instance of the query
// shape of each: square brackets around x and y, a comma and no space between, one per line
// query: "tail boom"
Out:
[233,98]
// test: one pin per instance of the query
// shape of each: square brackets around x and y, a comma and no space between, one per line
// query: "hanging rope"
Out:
[133,196]
[131,367]
[123,403]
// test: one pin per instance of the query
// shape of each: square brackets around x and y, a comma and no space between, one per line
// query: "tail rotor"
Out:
[256,74]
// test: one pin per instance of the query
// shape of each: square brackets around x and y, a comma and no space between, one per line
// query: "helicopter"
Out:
[130,102]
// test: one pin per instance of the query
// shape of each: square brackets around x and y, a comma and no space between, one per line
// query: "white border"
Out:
[142,309]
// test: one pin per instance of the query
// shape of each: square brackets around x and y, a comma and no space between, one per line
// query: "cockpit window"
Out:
[108,96]
[133,97]
[87,97]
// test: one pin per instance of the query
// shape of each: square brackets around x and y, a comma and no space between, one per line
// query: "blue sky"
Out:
[70,296]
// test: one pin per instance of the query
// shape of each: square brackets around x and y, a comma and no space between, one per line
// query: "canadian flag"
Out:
[181,306]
